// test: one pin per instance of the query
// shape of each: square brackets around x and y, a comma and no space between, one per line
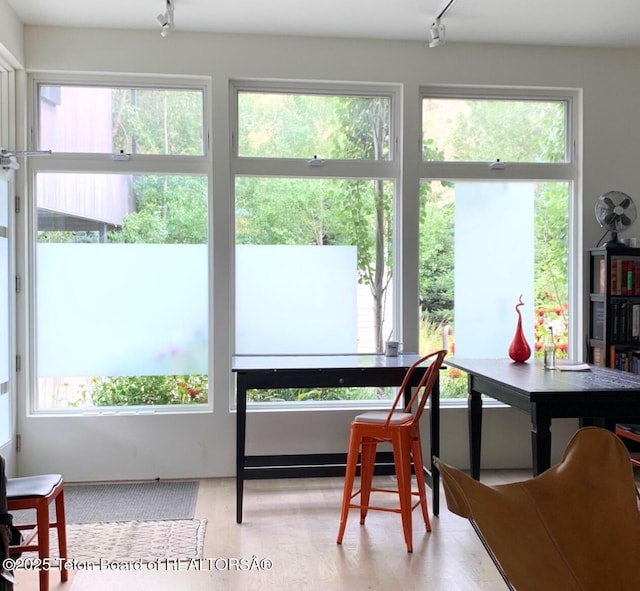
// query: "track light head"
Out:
[165,20]
[437,34]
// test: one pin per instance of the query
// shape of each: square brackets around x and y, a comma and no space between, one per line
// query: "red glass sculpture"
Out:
[519,349]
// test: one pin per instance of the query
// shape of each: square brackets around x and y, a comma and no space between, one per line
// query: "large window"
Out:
[121,257]
[495,205]
[315,183]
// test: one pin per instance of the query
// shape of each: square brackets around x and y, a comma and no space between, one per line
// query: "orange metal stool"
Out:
[38,492]
[401,430]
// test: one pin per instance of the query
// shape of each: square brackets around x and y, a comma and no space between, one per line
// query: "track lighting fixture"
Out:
[165,20]
[437,29]
[437,34]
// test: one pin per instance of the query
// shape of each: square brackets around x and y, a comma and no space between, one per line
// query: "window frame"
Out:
[104,163]
[133,82]
[566,171]
[299,167]
[389,169]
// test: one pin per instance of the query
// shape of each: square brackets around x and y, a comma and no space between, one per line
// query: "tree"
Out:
[366,123]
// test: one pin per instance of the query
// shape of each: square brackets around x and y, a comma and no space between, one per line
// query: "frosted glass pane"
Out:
[121,309]
[296,299]
[494,264]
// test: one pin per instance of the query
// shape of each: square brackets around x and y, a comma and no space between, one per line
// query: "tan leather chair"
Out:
[575,527]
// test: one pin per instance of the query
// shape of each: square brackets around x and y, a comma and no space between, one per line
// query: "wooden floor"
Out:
[292,525]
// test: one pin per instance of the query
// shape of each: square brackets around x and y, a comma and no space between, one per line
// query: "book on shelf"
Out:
[635,322]
[625,359]
[628,277]
[624,322]
[597,321]
[625,277]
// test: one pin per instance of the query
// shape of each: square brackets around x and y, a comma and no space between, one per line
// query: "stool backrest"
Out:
[421,391]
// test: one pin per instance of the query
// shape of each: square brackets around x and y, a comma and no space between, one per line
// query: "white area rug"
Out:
[131,541]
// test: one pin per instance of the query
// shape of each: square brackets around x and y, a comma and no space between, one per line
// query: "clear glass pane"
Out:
[315,254]
[482,244]
[288,125]
[93,119]
[474,130]
[121,290]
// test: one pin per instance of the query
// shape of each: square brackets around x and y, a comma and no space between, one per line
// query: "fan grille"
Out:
[615,211]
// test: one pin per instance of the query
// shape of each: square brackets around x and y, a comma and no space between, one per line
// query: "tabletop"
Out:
[531,377]
[257,363]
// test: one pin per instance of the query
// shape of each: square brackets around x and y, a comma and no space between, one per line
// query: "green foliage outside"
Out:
[169,210]
[151,121]
[318,394]
[146,390]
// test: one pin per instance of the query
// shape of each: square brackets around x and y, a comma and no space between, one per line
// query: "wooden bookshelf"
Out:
[614,308]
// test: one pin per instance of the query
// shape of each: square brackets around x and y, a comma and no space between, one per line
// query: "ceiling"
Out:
[615,23]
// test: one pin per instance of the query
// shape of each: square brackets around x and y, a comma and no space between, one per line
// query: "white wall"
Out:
[11,36]
[610,138]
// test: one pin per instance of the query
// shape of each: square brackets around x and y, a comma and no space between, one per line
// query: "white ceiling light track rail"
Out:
[437,30]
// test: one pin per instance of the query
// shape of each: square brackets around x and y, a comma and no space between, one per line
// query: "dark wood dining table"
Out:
[592,394]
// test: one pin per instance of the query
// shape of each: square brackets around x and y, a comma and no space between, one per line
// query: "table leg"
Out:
[540,441]
[475,429]
[241,425]
[435,445]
